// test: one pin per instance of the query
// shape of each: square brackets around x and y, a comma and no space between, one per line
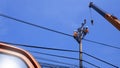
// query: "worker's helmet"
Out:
[86,27]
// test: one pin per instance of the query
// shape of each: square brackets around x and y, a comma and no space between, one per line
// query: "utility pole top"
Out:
[78,36]
[81,32]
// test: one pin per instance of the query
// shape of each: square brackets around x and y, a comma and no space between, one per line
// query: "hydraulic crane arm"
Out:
[112,19]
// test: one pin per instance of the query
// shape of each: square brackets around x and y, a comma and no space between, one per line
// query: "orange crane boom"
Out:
[112,19]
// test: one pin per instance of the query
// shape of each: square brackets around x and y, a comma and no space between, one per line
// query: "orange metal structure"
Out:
[20,53]
[112,19]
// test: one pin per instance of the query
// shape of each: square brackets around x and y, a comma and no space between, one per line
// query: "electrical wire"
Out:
[90,13]
[90,63]
[102,44]
[59,50]
[28,23]
[75,58]
[64,57]
[53,31]
[55,61]
[100,60]
[44,64]
[54,55]
[39,47]
[63,62]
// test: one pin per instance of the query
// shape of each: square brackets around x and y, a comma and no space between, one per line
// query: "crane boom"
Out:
[112,19]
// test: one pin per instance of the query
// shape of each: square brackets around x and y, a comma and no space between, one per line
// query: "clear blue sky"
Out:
[64,16]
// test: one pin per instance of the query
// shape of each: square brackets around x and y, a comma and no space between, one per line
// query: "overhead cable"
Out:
[54,55]
[44,64]
[59,50]
[64,57]
[55,61]
[75,58]
[91,64]
[39,47]
[28,23]
[102,44]
[63,62]
[100,60]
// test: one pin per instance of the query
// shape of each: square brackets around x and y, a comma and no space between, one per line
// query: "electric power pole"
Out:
[81,34]
[80,53]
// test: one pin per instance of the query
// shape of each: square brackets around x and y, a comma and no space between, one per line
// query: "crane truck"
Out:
[112,19]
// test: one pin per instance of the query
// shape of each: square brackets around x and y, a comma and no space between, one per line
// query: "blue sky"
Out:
[65,16]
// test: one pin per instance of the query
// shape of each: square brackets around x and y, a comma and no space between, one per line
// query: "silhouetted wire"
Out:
[54,55]
[44,64]
[90,63]
[39,47]
[28,23]
[59,50]
[54,31]
[63,62]
[55,61]
[34,25]
[100,60]
[74,58]
[101,43]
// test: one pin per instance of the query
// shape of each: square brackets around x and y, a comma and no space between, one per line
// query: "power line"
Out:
[56,32]
[39,47]
[49,65]
[102,44]
[54,55]
[64,57]
[28,23]
[55,61]
[100,60]
[75,58]
[59,50]
[90,63]
[45,48]
[63,62]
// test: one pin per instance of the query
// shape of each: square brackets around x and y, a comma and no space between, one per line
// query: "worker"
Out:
[76,36]
[85,31]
